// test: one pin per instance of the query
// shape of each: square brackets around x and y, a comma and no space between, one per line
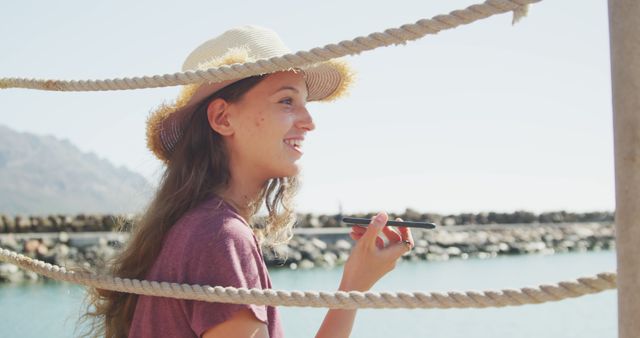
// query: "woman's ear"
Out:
[218,116]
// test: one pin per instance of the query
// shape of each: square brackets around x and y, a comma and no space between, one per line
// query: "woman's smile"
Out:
[295,144]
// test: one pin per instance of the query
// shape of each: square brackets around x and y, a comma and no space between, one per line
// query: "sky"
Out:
[486,117]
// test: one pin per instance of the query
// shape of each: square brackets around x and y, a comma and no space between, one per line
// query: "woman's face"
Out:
[269,125]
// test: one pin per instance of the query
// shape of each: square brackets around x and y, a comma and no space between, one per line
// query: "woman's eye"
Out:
[287,101]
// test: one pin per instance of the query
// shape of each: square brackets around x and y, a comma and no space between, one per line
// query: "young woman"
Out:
[230,147]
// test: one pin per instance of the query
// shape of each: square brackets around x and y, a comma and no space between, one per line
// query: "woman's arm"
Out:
[243,324]
[368,262]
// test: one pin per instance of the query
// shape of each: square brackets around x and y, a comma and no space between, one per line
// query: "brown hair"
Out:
[197,168]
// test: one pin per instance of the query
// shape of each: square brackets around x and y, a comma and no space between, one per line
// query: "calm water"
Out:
[51,309]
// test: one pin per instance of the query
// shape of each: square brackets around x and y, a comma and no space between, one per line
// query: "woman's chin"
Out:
[291,170]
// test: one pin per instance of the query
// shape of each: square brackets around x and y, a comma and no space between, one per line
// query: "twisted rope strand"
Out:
[335,300]
[391,36]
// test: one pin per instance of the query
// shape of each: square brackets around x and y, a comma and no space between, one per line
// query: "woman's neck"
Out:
[242,195]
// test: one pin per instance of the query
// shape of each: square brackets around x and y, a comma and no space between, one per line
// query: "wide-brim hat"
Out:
[325,81]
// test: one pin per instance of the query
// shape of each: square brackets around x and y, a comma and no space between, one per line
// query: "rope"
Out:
[391,36]
[340,299]
[335,300]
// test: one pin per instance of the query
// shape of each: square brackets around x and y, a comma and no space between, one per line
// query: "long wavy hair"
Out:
[197,168]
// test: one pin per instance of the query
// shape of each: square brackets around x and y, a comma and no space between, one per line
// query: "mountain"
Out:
[46,175]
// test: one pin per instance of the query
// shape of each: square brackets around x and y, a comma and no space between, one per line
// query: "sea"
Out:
[51,309]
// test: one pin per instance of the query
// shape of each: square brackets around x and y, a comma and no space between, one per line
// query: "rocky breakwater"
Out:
[84,251]
[329,247]
[63,223]
[461,242]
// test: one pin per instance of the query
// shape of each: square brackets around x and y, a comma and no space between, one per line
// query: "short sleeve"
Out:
[231,258]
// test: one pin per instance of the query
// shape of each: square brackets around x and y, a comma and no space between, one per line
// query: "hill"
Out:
[44,175]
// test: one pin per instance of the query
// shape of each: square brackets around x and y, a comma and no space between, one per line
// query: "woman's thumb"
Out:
[377,223]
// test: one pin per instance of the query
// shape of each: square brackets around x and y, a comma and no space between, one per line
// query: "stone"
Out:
[318,243]
[63,237]
[342,245]
[330,258]
[421,243]
[306,264]
[30,246]
[10,273]
[453,251]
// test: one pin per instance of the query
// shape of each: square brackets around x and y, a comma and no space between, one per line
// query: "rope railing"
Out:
[335,300]
[391,36]
[340,299]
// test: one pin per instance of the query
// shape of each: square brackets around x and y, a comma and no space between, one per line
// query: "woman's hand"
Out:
[368,262]
[370,259]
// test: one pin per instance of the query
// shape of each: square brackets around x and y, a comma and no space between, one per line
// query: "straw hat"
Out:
[325,81]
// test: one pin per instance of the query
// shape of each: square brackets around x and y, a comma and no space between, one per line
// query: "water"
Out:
[51,309]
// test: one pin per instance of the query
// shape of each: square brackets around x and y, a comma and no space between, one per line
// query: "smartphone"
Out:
[408,224]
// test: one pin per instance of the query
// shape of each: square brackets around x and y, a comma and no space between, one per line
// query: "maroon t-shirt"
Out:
[209,245]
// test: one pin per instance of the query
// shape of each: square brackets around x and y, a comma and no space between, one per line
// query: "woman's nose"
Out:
[305,121]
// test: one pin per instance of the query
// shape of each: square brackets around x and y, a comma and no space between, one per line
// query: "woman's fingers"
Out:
[379,243]
[358,229]
[397,249]
[370,258]
[355,236]
[383,239]
[405,234]
[370,236]
[391,234]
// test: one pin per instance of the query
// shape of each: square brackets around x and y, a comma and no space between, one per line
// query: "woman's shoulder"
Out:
[205,235]
[213,219]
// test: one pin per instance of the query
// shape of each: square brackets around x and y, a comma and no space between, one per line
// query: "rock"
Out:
[535,246]
[103,242]
[314,222]
[42,250]
[10,273]
[309,251]
[9,224]
[306,264]
[318,243]
[449,221]
[342,245]
[435,249]
[93,223]
[30,246]
[42,224]
[342,257]
[330,258]
[32,276]
[420,252]
[582,245]
[63,237]
[10,243]
[61,251]
[422,243]
[491,248]
[453,251]
[23,224]
[437,257]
